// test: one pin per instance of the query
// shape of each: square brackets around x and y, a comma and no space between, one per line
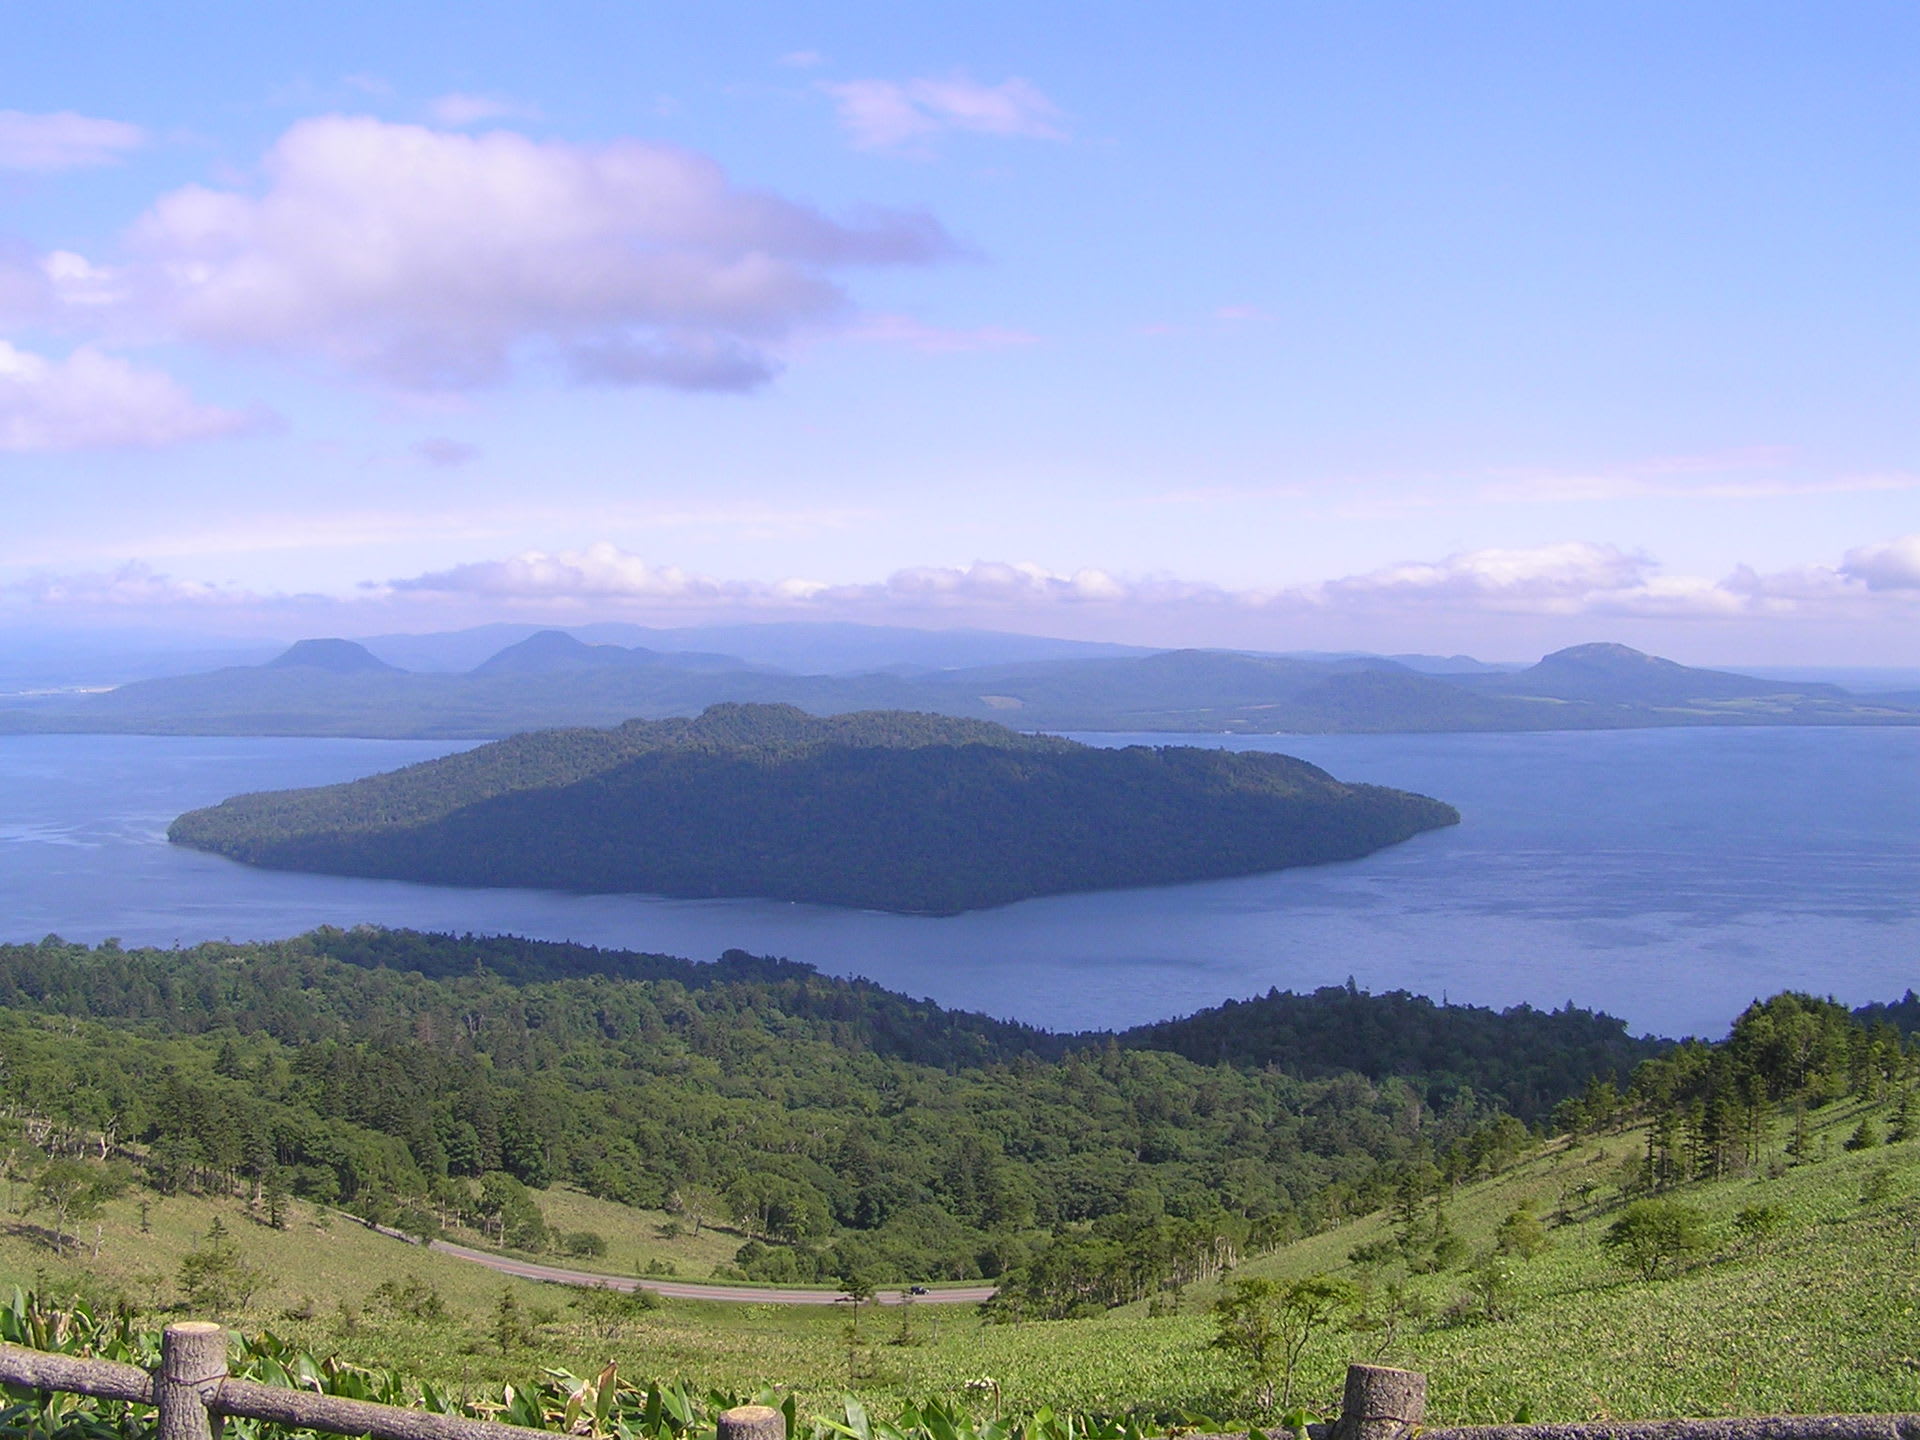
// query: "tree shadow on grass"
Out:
[39,1235]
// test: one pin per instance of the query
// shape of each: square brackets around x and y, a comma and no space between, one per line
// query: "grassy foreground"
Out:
[1822,1314]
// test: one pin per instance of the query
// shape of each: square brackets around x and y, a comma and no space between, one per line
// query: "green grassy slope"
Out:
[1824,1315]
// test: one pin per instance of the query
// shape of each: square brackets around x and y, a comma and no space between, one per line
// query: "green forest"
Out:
[883,810]
[842,1129]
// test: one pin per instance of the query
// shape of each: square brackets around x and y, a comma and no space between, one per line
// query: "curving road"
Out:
[682,1289]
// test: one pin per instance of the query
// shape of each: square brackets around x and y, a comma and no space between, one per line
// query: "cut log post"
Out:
[752,1422]
[1381,1403]
[193,1365]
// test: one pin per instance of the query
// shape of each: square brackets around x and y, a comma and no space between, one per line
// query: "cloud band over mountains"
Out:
[1569,579]
[1573,589]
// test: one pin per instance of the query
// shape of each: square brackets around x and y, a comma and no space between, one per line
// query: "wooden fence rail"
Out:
[1386,1404]
[192,1389]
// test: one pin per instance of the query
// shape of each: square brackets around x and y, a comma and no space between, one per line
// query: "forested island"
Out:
[883,810]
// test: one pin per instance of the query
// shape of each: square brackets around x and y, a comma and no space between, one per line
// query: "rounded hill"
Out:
[885,810]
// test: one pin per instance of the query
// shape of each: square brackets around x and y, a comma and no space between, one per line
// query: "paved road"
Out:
[681,1289]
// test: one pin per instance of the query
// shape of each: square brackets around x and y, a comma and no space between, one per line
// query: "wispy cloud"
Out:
[481,527]
[1568,579]
[1749,473]
[899,114]
[1753,473]
[1211,495]
[92,400]
[1569,590]
[599,572]
[138,587]
[605,572]
[64,141]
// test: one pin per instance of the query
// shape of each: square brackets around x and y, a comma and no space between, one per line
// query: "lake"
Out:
[1667,876]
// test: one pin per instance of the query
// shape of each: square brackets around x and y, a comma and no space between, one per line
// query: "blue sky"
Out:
[1471,327]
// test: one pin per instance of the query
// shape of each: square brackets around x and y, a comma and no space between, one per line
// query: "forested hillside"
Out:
[832,1131]
[839,1126]
[885,810]
[1525,1059]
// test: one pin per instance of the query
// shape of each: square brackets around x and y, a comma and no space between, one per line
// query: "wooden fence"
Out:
[192,1390]
[1387,1404]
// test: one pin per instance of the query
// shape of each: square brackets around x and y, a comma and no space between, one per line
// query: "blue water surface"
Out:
[1668,876]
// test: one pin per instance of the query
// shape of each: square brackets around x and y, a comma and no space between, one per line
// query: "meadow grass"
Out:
[638,1242]
[1822,1316]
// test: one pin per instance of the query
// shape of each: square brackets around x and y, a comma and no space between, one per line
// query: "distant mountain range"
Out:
[556,678]
[884,810]
[802,647]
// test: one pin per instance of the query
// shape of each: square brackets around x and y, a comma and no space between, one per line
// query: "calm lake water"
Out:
[1665,876]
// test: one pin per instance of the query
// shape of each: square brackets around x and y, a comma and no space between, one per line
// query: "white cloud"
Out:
[460,109]
[433,260]
[1892,566]
[599,572]
[1579,578]
[1569,580]
[994,582]
[1547,575]
[92,400]
[1555,594]
[56,287]
[63,141]
[890,114]
[605,572]
[75,281]
[132,586]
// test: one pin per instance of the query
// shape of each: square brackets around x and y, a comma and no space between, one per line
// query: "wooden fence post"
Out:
[1381,1403]
[752,1422]
[193,1360]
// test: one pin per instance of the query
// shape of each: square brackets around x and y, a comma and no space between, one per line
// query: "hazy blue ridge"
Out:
[552,678]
